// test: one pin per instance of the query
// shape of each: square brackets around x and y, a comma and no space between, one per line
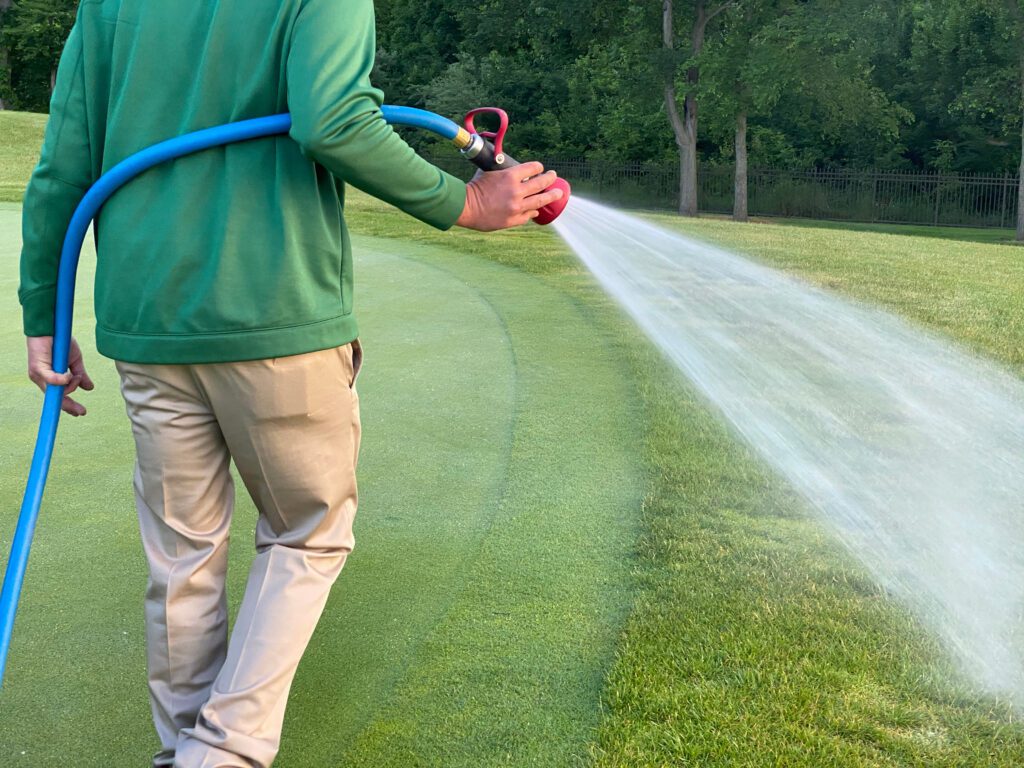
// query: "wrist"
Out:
[471,207]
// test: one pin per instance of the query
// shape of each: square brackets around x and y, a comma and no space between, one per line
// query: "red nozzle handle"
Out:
[499,137]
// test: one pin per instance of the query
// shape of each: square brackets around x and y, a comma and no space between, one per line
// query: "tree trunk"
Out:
[671,105]
[1018,15]
[4,58]
[1020,193]
[684,126]
[1020,174]
[688,159]
[739,204]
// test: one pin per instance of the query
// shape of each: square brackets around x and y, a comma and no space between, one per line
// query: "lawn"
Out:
[564,557]
[482,608]
[21,134]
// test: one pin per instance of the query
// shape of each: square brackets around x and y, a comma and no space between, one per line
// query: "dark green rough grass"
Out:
[966,234]
[966,290]
[758,642]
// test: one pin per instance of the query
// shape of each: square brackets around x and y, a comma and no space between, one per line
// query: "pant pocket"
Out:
[357,361]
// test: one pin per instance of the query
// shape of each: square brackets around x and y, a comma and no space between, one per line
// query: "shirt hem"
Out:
[231,347]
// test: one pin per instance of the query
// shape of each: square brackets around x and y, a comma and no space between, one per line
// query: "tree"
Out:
[811,57]
[418,39]
[1017,46]
[967,60]
[5,59]
[744,77]
[684,124]
[33,37]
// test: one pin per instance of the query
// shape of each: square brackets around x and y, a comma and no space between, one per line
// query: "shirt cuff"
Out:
[37,310]
[444,215]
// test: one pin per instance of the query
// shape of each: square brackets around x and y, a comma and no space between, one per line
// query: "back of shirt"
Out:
[238,252]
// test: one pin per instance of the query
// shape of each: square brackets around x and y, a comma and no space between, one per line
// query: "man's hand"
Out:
[503,199]
[40,370]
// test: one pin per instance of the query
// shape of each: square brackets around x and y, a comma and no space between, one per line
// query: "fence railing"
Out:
[896,197]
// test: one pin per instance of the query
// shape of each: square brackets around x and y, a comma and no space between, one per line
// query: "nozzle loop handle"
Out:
[499,137]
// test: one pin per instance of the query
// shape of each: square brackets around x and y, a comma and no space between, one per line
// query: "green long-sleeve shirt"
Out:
[235,253]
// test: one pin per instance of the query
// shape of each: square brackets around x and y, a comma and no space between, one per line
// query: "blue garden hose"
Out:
[87,210]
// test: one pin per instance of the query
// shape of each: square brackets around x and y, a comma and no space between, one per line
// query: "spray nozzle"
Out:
[486,150]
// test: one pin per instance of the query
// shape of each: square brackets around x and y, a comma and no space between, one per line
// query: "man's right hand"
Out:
[503,199]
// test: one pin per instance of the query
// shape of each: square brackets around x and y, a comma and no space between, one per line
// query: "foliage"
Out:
[32,35]
[923,84]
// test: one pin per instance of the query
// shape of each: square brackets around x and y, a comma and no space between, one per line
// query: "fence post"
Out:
[874,195]
[938,196]
[1002,205]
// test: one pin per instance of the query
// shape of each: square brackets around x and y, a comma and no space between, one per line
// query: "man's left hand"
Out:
[40,370]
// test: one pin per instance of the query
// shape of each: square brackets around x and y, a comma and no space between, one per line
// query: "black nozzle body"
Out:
[487,159]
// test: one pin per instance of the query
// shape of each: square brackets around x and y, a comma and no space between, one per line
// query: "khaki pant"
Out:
[291,424]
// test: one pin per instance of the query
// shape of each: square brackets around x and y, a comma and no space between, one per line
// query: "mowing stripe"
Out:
[512,672]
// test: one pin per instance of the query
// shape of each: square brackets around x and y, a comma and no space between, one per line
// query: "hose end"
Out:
[463,139]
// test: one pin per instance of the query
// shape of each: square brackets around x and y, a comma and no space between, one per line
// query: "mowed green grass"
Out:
[752,640]
[478,616]
[971,291]
[21,135]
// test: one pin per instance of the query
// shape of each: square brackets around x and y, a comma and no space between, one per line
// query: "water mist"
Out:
[912,450]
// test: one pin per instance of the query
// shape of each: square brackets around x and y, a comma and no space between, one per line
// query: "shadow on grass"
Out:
[992,236]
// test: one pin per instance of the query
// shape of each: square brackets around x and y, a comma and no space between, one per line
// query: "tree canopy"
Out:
[904,84]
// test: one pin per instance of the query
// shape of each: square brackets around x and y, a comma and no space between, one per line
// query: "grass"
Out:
[754,639]
[967,234]
[477,618]
[21,135]
[751,638]
[970,291]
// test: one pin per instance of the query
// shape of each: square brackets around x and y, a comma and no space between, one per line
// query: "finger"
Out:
[536,202]
[524,218]
[73,385]
[539,183]
[79,372]
[52,377]
[526,171]
[72,408]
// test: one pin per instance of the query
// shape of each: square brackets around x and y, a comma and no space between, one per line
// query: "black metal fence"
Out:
[975,200]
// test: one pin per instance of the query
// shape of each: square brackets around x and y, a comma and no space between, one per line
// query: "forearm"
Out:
[57,186]
[48,207]
[336,116]
[367,153]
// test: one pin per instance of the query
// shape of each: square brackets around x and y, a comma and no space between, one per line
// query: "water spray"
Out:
[910,449]
[484,149]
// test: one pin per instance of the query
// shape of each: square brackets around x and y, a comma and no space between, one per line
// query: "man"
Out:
[224,293]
